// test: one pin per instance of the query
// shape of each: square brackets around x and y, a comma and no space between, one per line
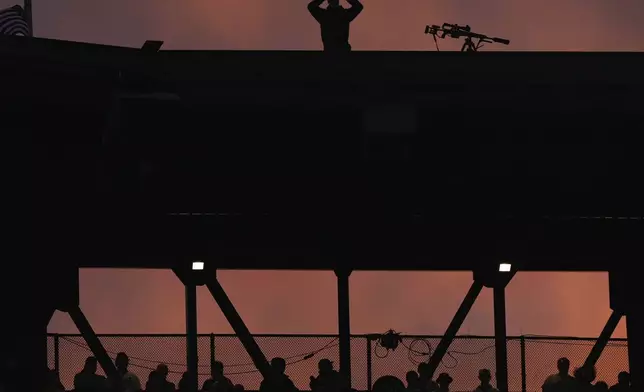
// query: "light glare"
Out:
[505,267]
[197,265]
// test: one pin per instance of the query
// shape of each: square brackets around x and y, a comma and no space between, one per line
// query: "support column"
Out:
[369,364]
[24,350]
[454,326]
[498,278]
[500,339]
[634,328]
[86,330]
[603,339]
[192,359]
[625,294]
[344,323]
[238,325]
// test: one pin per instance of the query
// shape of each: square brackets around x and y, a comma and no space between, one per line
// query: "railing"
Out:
[530,358]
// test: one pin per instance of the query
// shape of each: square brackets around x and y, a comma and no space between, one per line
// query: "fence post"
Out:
[524,372]
[369,374]
[56,353]
[212,353]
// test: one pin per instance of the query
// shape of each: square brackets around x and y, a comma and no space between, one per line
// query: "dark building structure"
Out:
[143,158]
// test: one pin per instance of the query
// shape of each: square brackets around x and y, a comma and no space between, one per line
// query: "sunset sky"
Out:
[138,301]
[384,25]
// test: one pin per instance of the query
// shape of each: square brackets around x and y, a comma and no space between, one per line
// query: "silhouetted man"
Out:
[334,23]
[328,380]
[584,377]
[413,381]
[158,380]
[218,382]
[283,382]
[485,377]
[562,381]
[623,383]
[444,380]
[388,384]
[601,386]
[87,380]
[53,382]
[425,378]
[130,381]
[183,385]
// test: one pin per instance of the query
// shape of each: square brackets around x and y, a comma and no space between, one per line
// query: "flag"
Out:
[13,22]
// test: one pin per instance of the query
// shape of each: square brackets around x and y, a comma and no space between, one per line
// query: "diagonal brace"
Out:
[240,328]
[94,343]
[454,326]
[603,339]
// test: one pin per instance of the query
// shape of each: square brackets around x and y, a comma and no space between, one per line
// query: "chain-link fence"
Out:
[530,359]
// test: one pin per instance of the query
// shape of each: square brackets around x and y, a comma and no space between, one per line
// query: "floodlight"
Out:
[505,267]
[197,265]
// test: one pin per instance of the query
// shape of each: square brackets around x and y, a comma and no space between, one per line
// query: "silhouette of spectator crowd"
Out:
[327,380]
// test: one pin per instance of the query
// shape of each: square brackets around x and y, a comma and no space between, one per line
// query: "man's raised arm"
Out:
[355,10]
[315,9]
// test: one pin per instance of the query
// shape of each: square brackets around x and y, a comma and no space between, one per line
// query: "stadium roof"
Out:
[527,157]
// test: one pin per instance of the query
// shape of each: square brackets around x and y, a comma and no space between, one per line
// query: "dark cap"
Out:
[563,361]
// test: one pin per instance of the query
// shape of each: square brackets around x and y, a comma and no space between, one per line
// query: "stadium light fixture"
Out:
[505,267]
[197,265]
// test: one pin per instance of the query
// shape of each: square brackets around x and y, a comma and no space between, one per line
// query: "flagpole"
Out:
[28,17]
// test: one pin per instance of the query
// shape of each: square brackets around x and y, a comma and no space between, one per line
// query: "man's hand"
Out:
[315,9]
[355,10]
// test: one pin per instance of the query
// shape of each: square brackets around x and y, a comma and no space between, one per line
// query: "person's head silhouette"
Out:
[444,380]
[325,366]
[485,376]
[183,383]
[585,375]
[217,369]
[624,378]
[412,379]
[601,386]
[122,361]
[423,370]
[91,364]
[162,370]
[333,3]
[563,365]
[279,365]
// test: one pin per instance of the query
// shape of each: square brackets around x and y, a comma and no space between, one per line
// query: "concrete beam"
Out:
[500,339]
[454,326]
[603,339]
[625,298]
[192,359]
[240,328]
[344,323]
[499,281]
[94,343]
